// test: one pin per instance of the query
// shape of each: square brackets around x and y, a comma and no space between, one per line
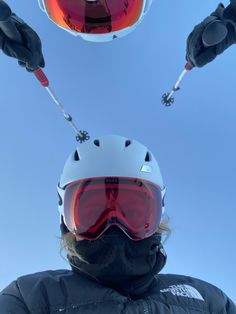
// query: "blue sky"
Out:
[116,88]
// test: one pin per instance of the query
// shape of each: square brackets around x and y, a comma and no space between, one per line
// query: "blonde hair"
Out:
[68,240]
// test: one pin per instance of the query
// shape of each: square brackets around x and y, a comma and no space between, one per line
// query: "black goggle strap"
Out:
[63,227]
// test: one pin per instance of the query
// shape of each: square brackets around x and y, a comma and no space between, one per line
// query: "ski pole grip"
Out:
[7,26]
[41,76]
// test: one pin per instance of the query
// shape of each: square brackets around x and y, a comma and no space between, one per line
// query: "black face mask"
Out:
[119,262]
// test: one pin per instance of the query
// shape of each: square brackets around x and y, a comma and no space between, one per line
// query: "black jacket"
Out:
[63,291]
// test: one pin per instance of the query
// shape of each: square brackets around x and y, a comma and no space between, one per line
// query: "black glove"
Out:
[219,27]
[29,53]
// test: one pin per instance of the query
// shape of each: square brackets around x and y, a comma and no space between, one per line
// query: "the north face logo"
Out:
[184,291]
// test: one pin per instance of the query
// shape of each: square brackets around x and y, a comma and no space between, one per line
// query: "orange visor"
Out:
[94,16]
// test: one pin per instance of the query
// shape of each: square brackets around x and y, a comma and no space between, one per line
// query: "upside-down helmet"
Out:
[96,20]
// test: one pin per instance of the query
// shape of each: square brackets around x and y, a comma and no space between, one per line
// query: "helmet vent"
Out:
[127,143]
[76,156]
[148,157]
[97,143]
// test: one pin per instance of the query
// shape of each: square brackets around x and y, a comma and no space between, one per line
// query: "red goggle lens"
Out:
[92,205]
[100,16]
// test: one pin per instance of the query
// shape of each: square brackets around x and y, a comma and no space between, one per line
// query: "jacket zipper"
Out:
[145,307]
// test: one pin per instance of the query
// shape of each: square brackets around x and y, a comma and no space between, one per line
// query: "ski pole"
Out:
[10,30]
[214,33]
[81,136]
[167,98]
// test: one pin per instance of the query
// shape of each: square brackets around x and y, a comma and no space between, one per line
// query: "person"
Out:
[92,20]
[212,36]
[111,204]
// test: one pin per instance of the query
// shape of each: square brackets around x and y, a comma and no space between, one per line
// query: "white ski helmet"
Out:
[110,156]
[96,20]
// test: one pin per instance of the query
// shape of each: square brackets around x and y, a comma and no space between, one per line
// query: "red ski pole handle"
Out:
[41,77]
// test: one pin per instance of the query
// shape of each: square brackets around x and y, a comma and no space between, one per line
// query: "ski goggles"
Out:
[94,16]
[91,206]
